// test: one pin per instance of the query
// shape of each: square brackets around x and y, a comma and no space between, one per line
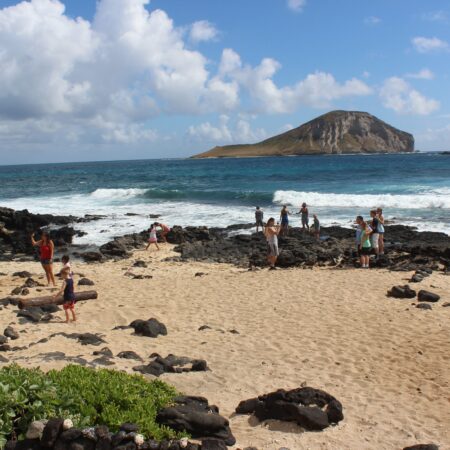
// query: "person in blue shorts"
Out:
[67,290]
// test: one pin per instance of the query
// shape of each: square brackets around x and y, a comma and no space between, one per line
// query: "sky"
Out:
[87,80]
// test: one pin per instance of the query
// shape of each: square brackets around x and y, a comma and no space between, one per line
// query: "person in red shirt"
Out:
[46,251]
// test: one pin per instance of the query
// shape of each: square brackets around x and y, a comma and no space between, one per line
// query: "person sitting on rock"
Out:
[271,232]
[67,289]
[164,230]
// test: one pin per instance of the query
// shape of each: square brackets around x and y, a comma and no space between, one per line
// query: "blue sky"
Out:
[125,79]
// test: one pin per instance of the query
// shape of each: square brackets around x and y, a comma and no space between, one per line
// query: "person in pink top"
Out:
[164,230]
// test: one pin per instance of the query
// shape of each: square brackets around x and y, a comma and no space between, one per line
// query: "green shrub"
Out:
[89,397]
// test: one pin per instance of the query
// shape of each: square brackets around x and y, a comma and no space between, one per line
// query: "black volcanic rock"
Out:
[312,409]
[333,133]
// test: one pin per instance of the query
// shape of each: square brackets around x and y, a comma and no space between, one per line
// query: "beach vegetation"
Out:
[87,396]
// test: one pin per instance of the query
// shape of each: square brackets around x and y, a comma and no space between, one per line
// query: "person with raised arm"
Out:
[46,251]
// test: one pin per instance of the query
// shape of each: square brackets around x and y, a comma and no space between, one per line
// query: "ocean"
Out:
[413,189]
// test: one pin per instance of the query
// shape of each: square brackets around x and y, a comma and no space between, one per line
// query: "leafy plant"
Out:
[89,397]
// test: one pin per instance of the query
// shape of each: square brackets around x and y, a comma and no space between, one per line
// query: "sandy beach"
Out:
[385,360]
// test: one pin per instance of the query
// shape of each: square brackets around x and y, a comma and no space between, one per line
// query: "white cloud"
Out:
[296,5]
[424,74]
[372,20]
[203,31]
[398,95]
[317,90]
[286,127]
[435,16]
[426,45]
[239,132]
[104,80]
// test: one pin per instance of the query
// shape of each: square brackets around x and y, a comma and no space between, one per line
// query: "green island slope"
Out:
[337,132]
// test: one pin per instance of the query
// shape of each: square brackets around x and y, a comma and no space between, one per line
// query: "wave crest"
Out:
[117,194]
[405,201]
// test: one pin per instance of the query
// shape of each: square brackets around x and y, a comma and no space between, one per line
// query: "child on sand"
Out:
[153,238]
[67,290]
[66,264]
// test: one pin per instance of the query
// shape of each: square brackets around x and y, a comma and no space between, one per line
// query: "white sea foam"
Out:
[418,210]
[117,194]
[435,199]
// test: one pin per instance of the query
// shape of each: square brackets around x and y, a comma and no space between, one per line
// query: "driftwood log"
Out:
[51,300]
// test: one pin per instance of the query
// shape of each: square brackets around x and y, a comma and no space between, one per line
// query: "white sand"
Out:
[386,361]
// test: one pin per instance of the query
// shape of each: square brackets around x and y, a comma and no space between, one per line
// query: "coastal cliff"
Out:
[337,132]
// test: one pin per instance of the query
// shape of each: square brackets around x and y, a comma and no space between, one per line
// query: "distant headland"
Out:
[337,132]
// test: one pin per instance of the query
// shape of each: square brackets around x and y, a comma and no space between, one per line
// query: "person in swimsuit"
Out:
[164,230]
[271,232]
[259,217]
[365,245]
[284,218]
[46,250]
[316,227]
[69,294]
[153,237]
[380,231]
[305,217]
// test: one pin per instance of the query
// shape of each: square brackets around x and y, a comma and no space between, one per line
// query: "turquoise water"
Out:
[414,189]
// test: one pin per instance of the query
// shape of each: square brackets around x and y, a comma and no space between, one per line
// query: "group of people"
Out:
[153,237]
[281,228]
[369,235]
[46,253]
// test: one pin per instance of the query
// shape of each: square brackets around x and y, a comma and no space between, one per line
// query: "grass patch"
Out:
[89,397]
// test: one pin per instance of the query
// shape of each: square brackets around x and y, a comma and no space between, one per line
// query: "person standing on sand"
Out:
[46,251]
[259,217]
[153,237]
[363,233]
[380,231]
[305,216]
[69,294]
[284,218]
[375,232]
[271,232]
[164,230]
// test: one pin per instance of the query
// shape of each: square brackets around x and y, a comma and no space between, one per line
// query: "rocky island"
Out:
[337,132]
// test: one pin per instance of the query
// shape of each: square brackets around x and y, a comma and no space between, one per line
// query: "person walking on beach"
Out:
[67,289]
[304,216]
[375,232]
[153,237]
[380,231]
[164,230]
[271,232]
[259,217]
[316,227]
[46,251]
[363,232]
[284,218]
